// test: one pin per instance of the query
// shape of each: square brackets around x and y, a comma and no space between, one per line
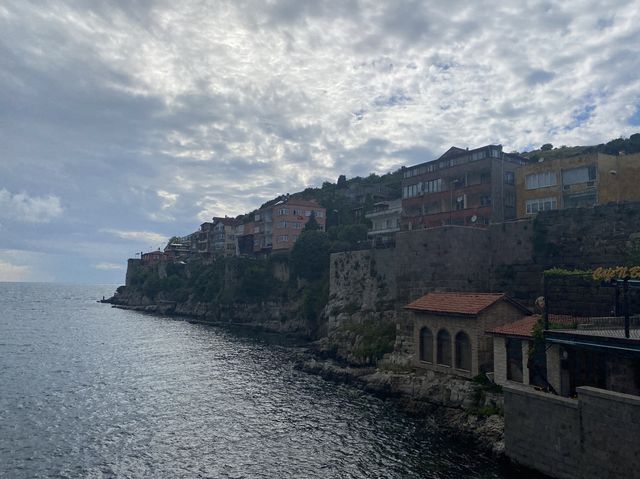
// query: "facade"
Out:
[278,226]
[224,236]
[449,330]
[152,257]
[385,221]
[462,187]
[582,181]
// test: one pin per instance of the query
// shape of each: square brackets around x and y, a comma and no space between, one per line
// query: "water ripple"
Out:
[90,391]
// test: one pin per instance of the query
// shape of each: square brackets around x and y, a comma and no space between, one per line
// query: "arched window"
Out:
[444,347]
[463,351]
[426,345]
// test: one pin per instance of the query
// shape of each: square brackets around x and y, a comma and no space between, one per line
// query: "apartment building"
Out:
[277,227]
[224,236]
[581,181]
[462,187]
[385,221]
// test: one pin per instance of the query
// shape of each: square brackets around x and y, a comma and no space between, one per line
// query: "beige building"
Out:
[582,181]
[450,330]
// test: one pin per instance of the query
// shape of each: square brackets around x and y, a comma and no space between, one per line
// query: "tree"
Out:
[310,255]
[312,224]
[546,147]
[342,181]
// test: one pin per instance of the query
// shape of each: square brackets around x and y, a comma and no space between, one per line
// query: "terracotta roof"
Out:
[459,303]
[524,327]
[521,328]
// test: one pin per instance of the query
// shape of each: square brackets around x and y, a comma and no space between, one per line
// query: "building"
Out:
[152,257]
[276,227]
[223,240]
[450,330]
[582,181]
[462,187]
[385,221]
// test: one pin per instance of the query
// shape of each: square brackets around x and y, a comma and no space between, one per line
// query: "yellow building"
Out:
[585,180]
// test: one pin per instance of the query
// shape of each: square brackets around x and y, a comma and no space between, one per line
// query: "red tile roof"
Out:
[521,328]
[524,327]
[458,303]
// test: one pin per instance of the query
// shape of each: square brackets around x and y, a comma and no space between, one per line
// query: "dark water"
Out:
[91,391]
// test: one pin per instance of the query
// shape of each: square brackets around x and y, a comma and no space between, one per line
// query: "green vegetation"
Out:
[627,146]
[375,339]
[310,255]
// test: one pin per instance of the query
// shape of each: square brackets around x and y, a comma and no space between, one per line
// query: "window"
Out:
[444,347]
[583,174]
[461,202]
[433,186]
[541,204]
[463,351]
[411,190]
[296,226]
[426,345]
[283,211]
[283,238]
[307,212]
[514,360]
[281,224]
[485,200]
[540,180]
[319,214]
[509,177]
[485,177]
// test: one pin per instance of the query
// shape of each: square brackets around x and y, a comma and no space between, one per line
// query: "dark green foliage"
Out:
[376,338]
[310,255]
[346,237]
[546,147]
[312,224]
[316,297]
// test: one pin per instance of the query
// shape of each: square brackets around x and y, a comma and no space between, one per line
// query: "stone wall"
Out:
[595,436]
[508,257]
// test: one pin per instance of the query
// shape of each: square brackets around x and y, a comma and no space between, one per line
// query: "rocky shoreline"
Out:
[468,410]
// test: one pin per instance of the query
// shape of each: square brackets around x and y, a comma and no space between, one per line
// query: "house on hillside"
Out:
[277,227]
[450,330]
[582,181]
[385,221]
[462,187]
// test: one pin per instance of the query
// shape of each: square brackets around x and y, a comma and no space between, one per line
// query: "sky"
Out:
[125,122]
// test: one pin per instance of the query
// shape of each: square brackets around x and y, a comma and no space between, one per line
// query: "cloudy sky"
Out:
[125,122]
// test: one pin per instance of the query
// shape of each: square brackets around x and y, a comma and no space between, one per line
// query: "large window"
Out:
[463,351]
[433,186]
[412,190]
[444,347]
[583,174]
[540,204]
[426,345]
[540,180]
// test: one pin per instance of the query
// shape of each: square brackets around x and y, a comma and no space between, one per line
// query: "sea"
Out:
[90,391]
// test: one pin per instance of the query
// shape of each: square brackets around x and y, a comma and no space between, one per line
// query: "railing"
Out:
[601,326]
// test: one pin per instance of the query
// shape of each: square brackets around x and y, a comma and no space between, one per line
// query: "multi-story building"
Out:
[385,221]
[277,227]
[462,187]
[224,236]
[581,181]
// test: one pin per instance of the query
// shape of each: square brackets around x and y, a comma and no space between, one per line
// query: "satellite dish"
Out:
[474,218]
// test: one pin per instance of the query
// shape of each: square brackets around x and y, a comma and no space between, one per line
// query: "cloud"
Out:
[12,272]
[138,236]
[110,266]
[29,209]
[149,117]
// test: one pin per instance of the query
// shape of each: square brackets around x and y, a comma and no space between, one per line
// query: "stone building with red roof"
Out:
[450,330]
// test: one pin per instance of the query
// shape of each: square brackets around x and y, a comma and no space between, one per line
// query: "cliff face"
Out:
[253,294]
